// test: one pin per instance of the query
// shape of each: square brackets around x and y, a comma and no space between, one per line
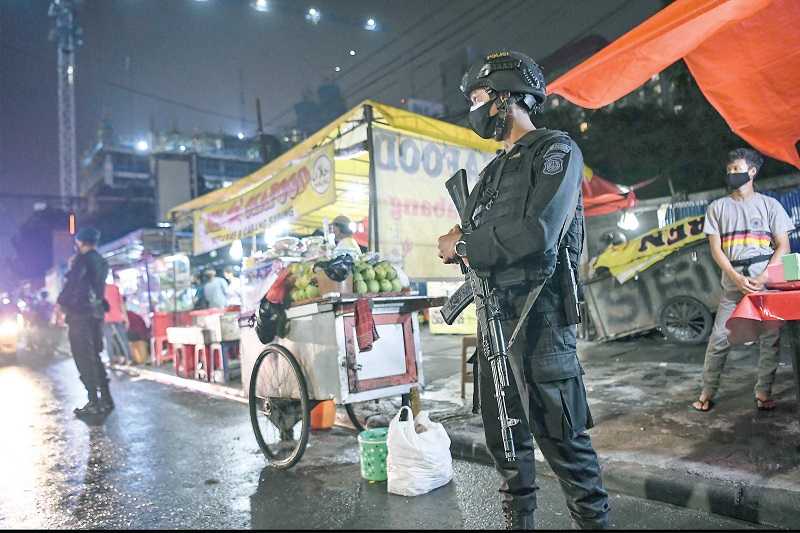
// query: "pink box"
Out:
[775,273]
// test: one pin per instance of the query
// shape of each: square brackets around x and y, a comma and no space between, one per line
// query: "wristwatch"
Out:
[461,248]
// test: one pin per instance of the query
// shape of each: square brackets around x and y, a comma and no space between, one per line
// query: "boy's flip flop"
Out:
[709,404]
[765,405]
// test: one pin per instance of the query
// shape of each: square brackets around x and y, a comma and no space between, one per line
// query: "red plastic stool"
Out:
[184,360]
[161,350]
[203,363]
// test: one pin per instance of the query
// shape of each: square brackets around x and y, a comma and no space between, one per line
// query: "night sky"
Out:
[178,63]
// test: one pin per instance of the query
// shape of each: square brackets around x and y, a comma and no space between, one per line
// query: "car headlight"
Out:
[8,328]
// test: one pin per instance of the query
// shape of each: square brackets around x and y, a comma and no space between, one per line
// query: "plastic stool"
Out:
[161,350]
[203,364]
[224,353]
[184,360]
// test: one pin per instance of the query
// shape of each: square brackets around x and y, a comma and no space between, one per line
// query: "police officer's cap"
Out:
[509,71]
[88,235]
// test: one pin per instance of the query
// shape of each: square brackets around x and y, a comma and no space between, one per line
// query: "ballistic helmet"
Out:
[509,71]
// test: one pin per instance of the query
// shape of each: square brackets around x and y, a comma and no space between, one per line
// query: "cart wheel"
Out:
[373,413]
[685,320]
[279,407]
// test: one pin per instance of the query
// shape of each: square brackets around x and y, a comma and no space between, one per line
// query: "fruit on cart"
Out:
[369,274]
[302,281]
[373,286]
[357,276]
[361,287]
[297,294]
[391,273]
[380,273]
[386,285]
[312,291]
[396,285]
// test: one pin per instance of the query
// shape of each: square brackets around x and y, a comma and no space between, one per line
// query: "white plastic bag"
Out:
[417,462]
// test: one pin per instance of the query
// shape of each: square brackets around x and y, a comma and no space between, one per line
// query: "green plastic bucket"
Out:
[372,445]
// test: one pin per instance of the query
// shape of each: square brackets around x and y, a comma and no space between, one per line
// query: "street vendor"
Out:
[747,231]
[523,204]
[342,229]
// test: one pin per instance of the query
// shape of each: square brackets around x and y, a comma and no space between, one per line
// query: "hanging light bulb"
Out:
[237,251]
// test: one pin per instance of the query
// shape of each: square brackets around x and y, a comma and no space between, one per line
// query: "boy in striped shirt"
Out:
[746,232]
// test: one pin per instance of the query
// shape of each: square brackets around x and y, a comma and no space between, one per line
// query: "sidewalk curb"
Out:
[758,505]
[210,389]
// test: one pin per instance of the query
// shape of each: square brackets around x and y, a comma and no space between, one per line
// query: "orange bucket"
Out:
[323,415]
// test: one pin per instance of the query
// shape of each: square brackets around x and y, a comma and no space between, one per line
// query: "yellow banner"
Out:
[298,189]
[626,260]
[413,205]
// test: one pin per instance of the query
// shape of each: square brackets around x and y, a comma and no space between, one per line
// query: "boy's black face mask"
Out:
[737,179]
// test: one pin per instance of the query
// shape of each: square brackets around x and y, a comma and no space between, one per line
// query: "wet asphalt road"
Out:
[170,458]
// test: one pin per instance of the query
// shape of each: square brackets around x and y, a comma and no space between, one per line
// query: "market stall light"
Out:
[313,15]
[584,126]
[236,251]
[628,221]
[240,135]
[352,52]
[338,69]
[164,224]
[142,145]
[260,5]
[182,148]
[371,25]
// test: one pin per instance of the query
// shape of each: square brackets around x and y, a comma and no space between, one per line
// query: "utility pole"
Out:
[262,138]
[67,36]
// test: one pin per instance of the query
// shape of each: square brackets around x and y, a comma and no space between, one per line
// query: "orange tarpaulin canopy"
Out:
[744,55]
[601,197]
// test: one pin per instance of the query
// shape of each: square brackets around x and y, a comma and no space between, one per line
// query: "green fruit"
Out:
[302,281]
[361,287]
[368,273]
[358,277]
[293,268]
[380,274]
[386,286]
[312,291]
[391,273]
[373,286]
[396,285]
[296,295]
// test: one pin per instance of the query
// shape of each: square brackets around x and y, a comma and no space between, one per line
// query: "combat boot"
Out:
[518,520]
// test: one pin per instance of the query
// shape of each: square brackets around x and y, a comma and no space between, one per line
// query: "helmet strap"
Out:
[504,104]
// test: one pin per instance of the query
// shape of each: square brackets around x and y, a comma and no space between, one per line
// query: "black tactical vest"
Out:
[502,194]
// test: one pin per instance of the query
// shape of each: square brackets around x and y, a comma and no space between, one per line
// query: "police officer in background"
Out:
[84,307]
[526,231]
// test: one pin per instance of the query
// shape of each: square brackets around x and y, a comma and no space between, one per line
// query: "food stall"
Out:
[375,163]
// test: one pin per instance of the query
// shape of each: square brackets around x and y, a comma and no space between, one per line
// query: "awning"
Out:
[744,55]
[351,170]
[601,197]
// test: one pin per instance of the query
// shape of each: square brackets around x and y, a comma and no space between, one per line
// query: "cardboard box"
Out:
[327,285]
[791,267]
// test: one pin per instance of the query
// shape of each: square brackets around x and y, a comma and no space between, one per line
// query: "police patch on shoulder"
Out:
[558,147]
[552,166]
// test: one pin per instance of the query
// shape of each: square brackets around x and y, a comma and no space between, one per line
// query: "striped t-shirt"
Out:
[746,229]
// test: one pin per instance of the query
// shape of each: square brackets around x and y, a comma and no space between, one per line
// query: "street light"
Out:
[313,15]
[352,52]
[260,5]
[371,25]
[338,69]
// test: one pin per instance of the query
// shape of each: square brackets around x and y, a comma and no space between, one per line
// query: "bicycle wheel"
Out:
[374,413]
[279,407]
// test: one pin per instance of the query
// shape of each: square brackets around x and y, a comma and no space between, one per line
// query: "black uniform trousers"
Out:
[86,343]
[552,410]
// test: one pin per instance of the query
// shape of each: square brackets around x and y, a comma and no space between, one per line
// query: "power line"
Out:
[132,90]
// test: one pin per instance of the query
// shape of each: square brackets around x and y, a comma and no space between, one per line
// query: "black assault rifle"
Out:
[487,309]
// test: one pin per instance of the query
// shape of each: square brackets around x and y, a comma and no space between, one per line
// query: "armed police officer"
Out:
[526,235]
[82,301]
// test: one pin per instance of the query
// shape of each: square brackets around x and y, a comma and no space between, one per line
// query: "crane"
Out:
[67,36]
